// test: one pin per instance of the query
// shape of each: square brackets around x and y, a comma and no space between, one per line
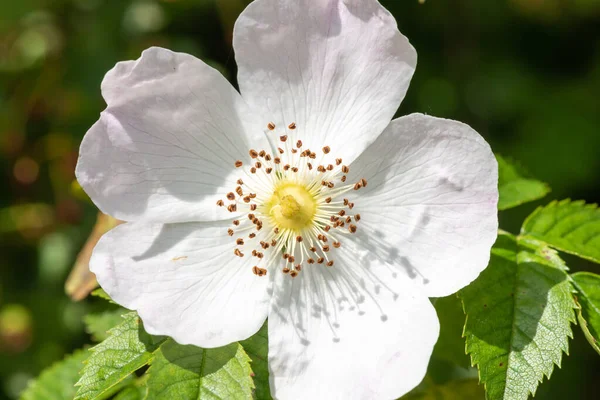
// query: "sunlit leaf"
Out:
[189,372]
[127,349]
[588,297]
[58,381]
[516,187]
[98,324]
[570,226]
[519,315]
[257,347]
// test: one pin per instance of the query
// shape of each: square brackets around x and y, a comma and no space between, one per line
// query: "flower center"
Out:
[297,198]
[292,207]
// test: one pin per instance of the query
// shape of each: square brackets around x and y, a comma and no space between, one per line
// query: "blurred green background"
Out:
[524,73]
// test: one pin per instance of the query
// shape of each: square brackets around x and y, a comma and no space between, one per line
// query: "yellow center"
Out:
[291,206]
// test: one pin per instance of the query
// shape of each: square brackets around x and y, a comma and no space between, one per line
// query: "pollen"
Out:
[304,204]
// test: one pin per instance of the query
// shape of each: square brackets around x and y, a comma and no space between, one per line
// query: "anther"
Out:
[343,178]
[286,167]
[240,182]
[299,143]
[268,170]
[327,228]
[291,259]
[357,217]
[330,263]
[310,261]
[294,151]
[239,242]
[320,260]
[246,199]
[273,243]
[309,165]
[239,191]
[285,270]
[294,169]
[330,167]
[238,253]
[238,164]
[220,203]
[262,153]
[352,228]
[253,153]
[283,138]
[328,200]
[258,164]
[230,196]
[293,273]
[280,150]
[363,182]
[253,170]
[277,160]
[252,235]
[298,267]
[252,195]
[326,149]
[330,185]
[271,126]
[348,220]
[357,186]
[338,161]
[313,249]
[253,207]
[251,217]
[292,125]
[268,157]
[236,222]
[326,248]
[299,239]
[337,245]
[276,230]
[342,213]
[230,232]
[351,206]
[231,208]
[345,169]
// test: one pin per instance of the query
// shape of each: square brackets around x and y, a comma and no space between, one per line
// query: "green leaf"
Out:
[519,312]
[588,297]
[570,226]
[189,372]
[127,349]
[58,381]
[98,324]
[257,347]
[462,389]
[516,187]
[102,294]
[451,345]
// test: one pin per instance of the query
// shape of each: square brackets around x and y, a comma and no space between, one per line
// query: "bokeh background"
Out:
[524,73]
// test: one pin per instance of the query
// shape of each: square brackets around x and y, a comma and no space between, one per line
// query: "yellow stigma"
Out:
[291,206]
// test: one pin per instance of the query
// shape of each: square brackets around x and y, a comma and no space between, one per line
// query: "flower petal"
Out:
[348,332]
[183,280]
[164,149]
[337,68]
[430,205]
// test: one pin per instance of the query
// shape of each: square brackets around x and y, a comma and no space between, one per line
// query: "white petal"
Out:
[337,68]
[165,147]
[347,332]
[430,204]
[184,281]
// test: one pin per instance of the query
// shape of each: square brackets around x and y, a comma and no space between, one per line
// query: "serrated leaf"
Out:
[570,226]
[190,372]
[98,324]
[257,347]
[519,312]
[102,294]
[58,381]
[451,345]
[515,187]
[127,348]
[462,389]
[588,297]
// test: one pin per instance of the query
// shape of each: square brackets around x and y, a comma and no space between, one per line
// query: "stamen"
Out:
[271,126]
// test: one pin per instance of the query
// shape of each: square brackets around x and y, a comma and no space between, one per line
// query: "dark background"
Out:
[524,73]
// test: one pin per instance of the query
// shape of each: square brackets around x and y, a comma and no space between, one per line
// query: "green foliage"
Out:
[588,298]
[461,389]
[450,345]
[58,381]
[189,372]
[102,294]
[519,313]
[98,324]
[257,347]
[516,187]
[570,226]
[127,349]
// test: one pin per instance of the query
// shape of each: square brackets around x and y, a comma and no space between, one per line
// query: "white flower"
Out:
[246,206]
